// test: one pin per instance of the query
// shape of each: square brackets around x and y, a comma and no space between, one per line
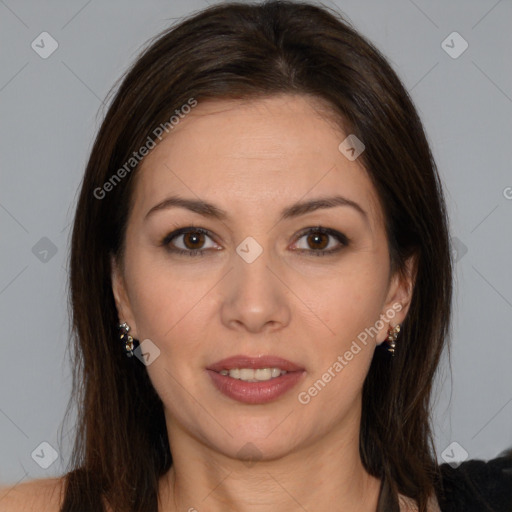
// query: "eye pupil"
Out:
[316,239]
[195,236]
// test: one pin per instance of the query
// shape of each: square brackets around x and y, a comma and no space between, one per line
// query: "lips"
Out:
[258,362]
[255,393]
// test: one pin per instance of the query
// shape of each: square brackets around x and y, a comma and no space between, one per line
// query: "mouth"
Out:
[255,380]
[240,362]
[252,375]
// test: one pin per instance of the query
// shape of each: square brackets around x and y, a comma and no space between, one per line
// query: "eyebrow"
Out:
[295,210]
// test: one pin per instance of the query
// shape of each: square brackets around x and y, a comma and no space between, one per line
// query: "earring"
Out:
[391,339]
[129,342]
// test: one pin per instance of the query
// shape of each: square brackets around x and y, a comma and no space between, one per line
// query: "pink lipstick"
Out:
[255,380]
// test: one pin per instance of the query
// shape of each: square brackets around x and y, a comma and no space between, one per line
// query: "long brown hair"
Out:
[243,50]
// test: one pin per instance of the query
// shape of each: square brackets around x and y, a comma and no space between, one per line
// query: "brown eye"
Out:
[321,241]
[190,240]
[318,240]
[193,240]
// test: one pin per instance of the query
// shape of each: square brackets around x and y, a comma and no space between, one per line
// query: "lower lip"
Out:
[255,392]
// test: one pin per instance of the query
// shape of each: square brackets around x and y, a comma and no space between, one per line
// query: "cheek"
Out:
[150,293]
[164,304]
[349,307]
[350,300]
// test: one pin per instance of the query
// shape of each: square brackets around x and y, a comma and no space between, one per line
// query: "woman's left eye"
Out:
[317,238]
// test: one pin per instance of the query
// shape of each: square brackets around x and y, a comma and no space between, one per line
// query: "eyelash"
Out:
[166,241]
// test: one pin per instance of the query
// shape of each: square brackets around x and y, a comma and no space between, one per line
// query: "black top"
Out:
[473,486]
[477,486]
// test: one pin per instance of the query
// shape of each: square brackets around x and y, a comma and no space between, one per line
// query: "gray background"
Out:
[50,110]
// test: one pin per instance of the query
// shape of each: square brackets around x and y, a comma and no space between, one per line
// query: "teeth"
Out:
[251,375]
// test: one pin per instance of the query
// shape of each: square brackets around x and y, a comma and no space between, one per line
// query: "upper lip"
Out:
[258,362]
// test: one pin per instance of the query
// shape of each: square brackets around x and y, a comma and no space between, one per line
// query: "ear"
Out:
[398,299]
[124,311]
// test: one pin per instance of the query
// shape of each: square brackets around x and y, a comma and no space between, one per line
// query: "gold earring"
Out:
[129,342]
[391,339]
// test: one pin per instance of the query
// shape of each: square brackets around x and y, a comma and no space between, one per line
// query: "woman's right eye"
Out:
[188,238]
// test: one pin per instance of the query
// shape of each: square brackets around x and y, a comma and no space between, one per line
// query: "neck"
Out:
[314,477]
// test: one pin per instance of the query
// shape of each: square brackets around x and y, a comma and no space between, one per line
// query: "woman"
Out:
[220,363]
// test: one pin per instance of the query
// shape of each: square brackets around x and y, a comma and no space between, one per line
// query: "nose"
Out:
[255,296]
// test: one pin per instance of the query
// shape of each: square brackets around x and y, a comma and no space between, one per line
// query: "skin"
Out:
[253,159]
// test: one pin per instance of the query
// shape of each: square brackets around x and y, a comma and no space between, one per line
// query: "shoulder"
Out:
[478,484]
[407,504]
[35,495]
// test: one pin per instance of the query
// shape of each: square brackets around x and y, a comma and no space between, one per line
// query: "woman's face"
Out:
[263,285]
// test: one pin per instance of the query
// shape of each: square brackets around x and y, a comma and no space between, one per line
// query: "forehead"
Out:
[254,154]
